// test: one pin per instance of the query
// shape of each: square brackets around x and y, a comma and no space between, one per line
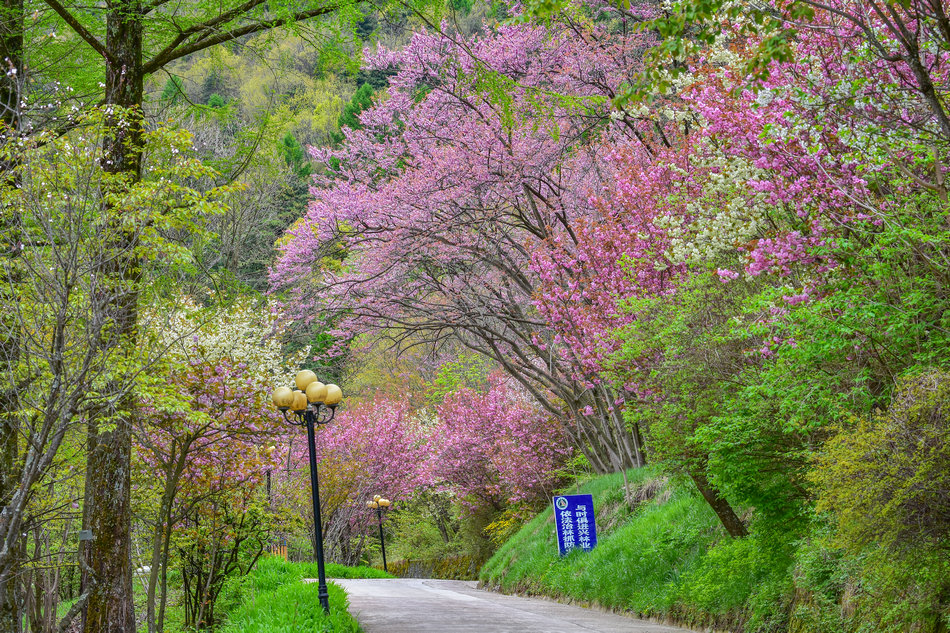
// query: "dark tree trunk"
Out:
[163,527]
[720,506]
[11,52]
[110,607]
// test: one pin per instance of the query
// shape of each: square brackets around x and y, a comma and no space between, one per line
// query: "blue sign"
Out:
[575,523]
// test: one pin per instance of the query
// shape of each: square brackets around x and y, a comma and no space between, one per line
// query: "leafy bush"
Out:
[741,582]
[884,483]
[822,576]
[886,479]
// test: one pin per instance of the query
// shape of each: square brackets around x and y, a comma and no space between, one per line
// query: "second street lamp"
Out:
[310,404]
[379,504]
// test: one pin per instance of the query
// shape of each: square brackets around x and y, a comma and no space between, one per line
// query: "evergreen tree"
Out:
[349,118]
[173,92]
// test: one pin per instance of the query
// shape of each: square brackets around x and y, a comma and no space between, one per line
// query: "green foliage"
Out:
[883,482]
[294,155]
[904,594]
[467,370]
[461,6]
[362,99]
[473,538]
[274,598]
[542,9]
[423,529]
[689,27]
[215,101]
[867,592]
[173,92]
[741,582]
[505,525]
[823,580]
[882,317]
[886,479]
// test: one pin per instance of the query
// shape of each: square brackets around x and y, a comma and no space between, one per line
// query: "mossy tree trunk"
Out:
[727,516]
[110,605]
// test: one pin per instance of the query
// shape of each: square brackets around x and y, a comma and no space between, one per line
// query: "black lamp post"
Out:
[379,504]
[310,404]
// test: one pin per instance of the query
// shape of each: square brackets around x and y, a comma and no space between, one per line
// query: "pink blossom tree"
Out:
[496,449]
[778,189]
[451,184]
[204,443]
[373,447]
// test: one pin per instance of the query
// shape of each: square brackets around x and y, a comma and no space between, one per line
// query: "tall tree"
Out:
[450,185]
[62,371]
[135,39]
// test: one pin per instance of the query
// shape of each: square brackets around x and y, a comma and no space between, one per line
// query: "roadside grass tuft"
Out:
[274,599]
[334,570]
[291,608]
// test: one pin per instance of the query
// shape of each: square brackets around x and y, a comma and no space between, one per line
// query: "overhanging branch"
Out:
[177,51]
[80,30]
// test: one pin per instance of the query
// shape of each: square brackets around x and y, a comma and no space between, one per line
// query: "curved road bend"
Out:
[415,605]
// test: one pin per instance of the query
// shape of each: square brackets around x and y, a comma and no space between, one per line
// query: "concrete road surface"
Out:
[410,605]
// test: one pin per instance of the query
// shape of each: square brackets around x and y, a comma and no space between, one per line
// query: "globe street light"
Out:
[311,403]
[379,504]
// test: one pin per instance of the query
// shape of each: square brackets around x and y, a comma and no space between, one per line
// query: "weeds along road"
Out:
[413,605]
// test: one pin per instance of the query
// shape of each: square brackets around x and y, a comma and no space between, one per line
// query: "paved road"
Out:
[410,605]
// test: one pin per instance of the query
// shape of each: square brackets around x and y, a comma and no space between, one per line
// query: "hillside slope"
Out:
[662,555]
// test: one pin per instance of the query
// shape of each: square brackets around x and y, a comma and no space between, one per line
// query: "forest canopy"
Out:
[533,243]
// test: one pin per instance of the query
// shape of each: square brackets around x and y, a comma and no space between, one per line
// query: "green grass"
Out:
[274,599]
[342,571]
[291,608]
[668,557]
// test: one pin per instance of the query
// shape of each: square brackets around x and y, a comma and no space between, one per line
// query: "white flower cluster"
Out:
[245,331]
[727,213]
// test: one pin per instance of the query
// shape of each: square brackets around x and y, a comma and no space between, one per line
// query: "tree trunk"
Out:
[159,536]
[160,625]
[110,607]
[720,506]
[163,528]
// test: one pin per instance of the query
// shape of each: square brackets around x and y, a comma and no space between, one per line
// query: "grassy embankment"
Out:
[666,557]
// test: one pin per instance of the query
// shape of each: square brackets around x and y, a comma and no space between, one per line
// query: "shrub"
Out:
[886,479]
